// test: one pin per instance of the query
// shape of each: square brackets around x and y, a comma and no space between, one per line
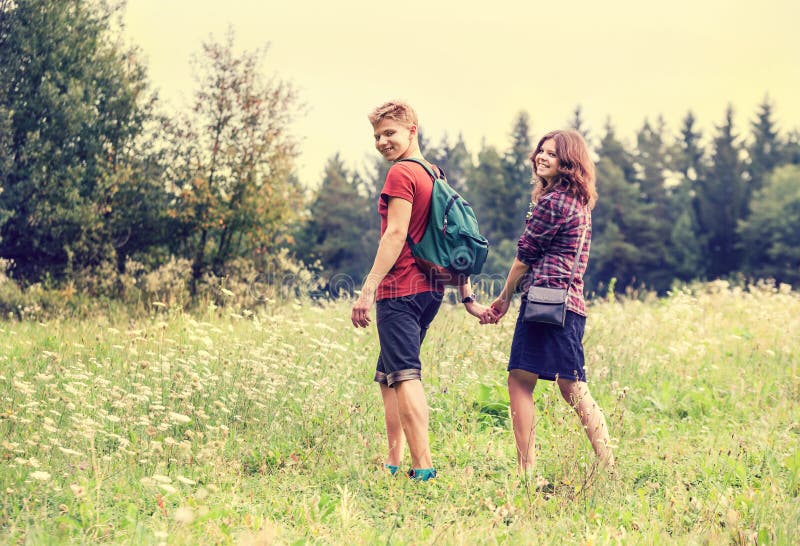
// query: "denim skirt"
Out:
[547,350]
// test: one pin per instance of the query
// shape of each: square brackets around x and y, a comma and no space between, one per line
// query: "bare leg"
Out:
[577,395]
[413,410]
[394,430]
[523,417]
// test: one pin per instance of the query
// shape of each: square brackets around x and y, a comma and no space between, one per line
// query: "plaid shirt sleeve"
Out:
[544,222]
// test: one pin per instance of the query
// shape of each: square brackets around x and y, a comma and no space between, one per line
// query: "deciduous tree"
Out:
[233,161]
[72,103]
[770,236]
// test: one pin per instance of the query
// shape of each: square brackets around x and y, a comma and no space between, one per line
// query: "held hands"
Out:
[491,314]
[484,314]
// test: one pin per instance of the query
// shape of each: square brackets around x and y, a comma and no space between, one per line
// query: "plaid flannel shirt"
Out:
[550,242]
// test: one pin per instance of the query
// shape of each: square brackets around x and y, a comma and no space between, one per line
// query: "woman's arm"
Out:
[544,222]
[515,275]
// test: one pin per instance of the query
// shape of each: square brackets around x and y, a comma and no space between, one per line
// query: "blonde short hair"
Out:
[396,110]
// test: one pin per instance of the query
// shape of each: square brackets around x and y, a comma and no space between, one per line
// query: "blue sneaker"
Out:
[422,474]
[392,468]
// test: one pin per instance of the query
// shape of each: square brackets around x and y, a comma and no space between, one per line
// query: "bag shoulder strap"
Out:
[577,256]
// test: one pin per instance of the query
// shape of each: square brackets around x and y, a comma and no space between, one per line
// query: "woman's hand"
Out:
[500,307]
[515,275]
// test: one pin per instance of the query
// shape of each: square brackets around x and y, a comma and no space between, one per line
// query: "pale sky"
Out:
[470,66]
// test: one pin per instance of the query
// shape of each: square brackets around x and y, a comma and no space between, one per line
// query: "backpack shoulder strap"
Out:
[428,170]
[425,166]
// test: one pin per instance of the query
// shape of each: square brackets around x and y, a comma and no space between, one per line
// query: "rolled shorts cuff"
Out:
[403,375]
[380,377]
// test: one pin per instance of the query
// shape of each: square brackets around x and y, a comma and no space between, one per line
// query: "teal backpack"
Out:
[452,248]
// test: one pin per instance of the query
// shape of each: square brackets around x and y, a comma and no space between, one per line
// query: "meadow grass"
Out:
[265,428]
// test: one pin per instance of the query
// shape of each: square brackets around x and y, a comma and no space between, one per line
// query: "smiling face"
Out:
[393,139]
[545,163]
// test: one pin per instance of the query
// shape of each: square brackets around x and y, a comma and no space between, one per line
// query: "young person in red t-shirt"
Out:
[407,301]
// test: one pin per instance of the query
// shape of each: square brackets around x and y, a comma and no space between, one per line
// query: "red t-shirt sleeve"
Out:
[400,182]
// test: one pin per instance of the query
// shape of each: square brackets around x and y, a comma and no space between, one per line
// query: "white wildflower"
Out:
[167,488]
[179,418]
[184,515]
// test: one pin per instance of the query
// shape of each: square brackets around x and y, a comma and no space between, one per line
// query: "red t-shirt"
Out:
[409,181]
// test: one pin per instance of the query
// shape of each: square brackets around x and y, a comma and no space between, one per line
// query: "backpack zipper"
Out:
[450,204]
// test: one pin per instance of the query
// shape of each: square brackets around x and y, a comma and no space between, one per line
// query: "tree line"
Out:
[99,186]
[672,207]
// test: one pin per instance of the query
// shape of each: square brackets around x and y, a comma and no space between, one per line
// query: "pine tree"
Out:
[340,232]
[651,164]
[686,240]
[624,231]
[517,167]
[375,178]
[652,160]
[577,123]
[456,161]
[494,203]
[689,154]
[426,148]
[766,150]
[722,201]
[792,151]
[631,233]
[612,149]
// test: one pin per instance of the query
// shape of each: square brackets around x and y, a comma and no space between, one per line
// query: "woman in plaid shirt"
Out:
[562,199]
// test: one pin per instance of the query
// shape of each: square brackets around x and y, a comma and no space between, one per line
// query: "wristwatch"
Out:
[469,299]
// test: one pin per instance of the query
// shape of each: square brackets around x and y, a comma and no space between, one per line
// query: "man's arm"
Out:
[474,308]
[392,241]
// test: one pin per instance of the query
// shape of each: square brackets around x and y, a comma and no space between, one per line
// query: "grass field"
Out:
[265,428]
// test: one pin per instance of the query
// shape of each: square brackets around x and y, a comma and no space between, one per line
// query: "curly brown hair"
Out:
[575,167]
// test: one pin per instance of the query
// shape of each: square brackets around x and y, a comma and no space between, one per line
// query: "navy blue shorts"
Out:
[549,351]
[402,325]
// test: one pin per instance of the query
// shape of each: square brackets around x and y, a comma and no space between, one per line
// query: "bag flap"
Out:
[543,294]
